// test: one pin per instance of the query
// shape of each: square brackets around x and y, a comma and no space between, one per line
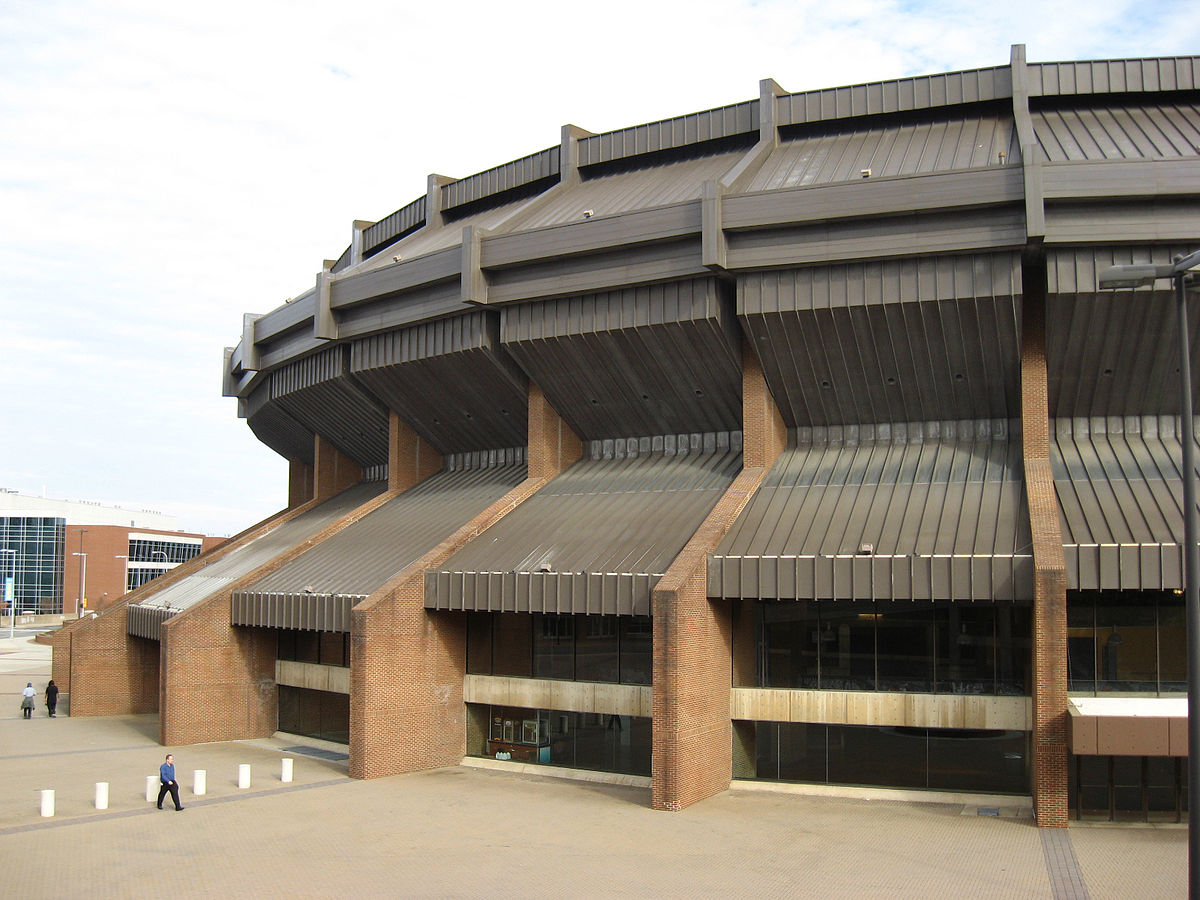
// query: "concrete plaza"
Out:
[467,832]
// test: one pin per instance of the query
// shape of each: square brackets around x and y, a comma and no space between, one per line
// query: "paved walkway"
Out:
[463,832]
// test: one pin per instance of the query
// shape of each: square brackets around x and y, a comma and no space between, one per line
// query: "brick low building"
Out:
[790,440]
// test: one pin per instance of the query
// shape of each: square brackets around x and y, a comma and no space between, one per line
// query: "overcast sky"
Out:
[165,168]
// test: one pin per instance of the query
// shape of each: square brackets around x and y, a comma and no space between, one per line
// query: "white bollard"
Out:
[47,804]
[200,782]
[244,775]
[286,773]
[101,795]
[152,783]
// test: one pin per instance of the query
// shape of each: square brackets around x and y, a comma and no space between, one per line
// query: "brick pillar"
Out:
[103,671]
[334,470]
[218,682]
[1050,757]
[300,483]
[693,736]
[407,663]
[410,457]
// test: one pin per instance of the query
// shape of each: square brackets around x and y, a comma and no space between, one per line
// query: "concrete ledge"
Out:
[1018,801]
[519,768]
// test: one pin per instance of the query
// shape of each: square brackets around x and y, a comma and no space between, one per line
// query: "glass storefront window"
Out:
[847,645]
[599,742]
[597,649]
[788,650]
[319,714]
[637,640]
[1126,642]
[512,645]
[904,646]
[553,646]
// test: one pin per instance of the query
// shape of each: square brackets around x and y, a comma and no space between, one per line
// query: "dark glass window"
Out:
[847,645]
[904,642]
[512,644]
[1172,643]
[553,646]
[789,645]
[637,638]
[597,656]
[934,758]
[319,714]
[1126,642]
[600,742]
[479,643]
[966,648]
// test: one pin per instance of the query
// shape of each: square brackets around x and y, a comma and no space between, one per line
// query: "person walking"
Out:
[27,696]
[166,774]
[52,697]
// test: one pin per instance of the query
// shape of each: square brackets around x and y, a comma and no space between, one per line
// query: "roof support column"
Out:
[1050,757]
[693,635]
[411,459]
[300,483]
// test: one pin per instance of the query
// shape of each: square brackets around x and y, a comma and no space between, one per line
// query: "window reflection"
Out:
[1126,642]
[595,741]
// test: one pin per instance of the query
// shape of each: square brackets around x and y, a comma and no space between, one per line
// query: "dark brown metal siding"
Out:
[941,504]
[905,340]
[222,572]
[318,392]
[450,380]
[597,537]
[314,589]
[658,359]
[922,92]
[712,124]
[1110,353]
[1120,494]
[913,148]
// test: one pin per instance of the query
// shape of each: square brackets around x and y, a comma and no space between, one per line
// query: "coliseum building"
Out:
[790,440]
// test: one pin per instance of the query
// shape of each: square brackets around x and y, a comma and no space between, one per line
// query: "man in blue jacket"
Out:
[166,774]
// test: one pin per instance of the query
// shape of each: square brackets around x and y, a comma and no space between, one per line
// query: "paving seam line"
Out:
[1066,880]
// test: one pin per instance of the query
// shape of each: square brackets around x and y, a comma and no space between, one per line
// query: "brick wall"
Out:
[74,650]
[301,483]
[1050,756]
[334,471]
[407,663]
[410,458]
[693,736]
[218,681]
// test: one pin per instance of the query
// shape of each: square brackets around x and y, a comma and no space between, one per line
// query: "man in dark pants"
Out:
[52,697]
[166,774]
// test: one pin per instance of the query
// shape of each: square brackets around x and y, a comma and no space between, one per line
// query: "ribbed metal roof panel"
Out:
[364,555]
[656,359]
[636,186]
[598,536]
[1114,76]
[273,426]
[223,571]
[509,176]
[903,95]
[907,148]
[935,338]
[450,380]
[906,511]
[1120,492]
[668,134]
[1118,132]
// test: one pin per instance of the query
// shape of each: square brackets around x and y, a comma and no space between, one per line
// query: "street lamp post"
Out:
[82,584]
[10,592]
[1115,278]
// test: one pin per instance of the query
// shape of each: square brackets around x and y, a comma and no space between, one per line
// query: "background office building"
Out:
[786,441]
[61,553]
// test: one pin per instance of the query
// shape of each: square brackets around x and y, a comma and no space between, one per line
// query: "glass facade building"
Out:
[39,545]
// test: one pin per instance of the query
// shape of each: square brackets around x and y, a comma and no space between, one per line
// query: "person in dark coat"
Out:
[52,697]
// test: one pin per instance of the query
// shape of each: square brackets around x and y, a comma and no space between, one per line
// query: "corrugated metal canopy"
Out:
[599,536]
[1120,495]
[1151,131]
[221,572]
[317,589]
[921,511]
